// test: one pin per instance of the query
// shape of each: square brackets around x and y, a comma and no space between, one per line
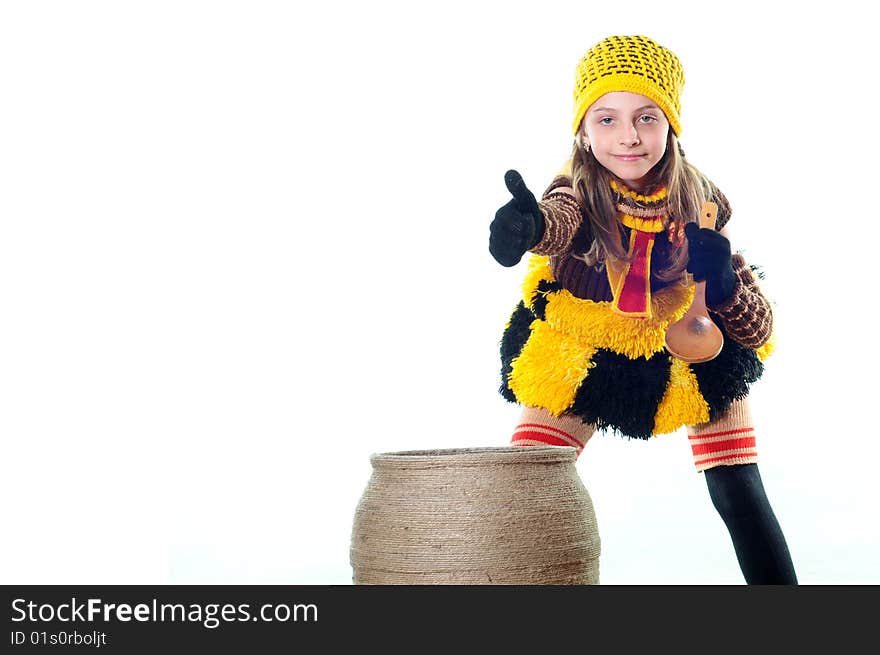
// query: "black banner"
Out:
[186,619]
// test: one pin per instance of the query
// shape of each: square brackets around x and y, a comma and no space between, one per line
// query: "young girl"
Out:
[612,238]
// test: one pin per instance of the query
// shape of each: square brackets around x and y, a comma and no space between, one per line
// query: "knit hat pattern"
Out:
[630,63]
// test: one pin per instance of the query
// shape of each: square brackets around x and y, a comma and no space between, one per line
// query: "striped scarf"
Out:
[631,280]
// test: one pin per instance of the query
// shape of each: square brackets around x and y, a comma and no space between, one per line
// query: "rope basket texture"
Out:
[507,515]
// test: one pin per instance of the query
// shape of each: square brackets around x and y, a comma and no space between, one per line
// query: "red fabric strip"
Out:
[543,437]
[634,294]
[718,446]
[546,427]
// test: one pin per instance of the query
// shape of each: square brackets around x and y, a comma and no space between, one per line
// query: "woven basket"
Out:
[508,515]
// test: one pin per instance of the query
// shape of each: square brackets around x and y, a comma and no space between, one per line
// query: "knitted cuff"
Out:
[562,217]
[538,427]
[746,316]
[558,181]
[729,439]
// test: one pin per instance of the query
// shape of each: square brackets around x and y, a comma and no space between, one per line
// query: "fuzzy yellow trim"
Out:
[767,349]
[538,269]
[643,224]
[682,402]
[550,368]
[596,324]
[632,195]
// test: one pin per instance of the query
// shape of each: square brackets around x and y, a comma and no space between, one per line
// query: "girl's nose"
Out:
[629,135]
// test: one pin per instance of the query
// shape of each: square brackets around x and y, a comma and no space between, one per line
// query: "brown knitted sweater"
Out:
[747,317]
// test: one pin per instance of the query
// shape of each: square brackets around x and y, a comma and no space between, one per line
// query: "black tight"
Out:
[739,497]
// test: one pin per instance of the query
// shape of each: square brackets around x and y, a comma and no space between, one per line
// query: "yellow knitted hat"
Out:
[630,63]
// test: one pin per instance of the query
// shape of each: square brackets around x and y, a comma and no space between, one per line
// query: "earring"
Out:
[586,146]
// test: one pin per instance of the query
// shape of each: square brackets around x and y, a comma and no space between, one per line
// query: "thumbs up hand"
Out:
[518,225]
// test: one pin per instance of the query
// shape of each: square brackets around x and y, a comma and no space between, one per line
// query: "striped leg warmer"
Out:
[538,427]
[730,439]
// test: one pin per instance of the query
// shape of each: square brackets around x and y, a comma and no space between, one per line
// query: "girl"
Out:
[612,238]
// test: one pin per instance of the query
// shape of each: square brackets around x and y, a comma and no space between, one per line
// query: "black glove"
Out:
[709,260]
[518,225]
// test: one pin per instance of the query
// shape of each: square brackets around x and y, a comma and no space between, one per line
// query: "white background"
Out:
[243,245]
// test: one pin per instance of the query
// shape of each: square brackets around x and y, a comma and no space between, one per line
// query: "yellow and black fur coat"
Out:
[575,356]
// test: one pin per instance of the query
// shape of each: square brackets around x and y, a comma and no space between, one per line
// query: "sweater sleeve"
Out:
[724,210]
[747,316]
[562,217]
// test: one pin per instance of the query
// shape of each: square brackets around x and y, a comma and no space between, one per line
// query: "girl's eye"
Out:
[605,121]
[647,118]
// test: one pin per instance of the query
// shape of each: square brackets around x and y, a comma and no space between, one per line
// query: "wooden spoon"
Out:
[694,338]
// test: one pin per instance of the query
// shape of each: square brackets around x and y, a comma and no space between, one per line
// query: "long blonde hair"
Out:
[686,189]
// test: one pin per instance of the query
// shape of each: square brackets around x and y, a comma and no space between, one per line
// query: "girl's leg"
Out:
[725,451]
[538,427]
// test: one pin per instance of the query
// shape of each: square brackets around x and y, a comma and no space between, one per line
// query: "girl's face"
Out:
[627,134]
